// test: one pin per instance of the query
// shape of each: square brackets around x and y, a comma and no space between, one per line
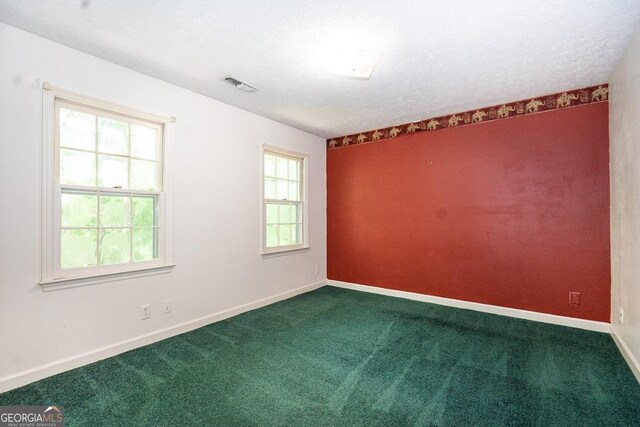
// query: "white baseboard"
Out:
[590,325]
[25,377]
[626,353]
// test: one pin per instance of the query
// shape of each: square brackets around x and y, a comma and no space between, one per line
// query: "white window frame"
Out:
[52,275]
[304,188]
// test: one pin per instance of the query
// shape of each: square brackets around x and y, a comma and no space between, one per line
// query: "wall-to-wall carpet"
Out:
[340,357]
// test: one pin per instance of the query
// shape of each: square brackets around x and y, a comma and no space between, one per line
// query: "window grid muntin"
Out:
[99,193]
[115,191]
[298,201]
[101,113]
[278,223]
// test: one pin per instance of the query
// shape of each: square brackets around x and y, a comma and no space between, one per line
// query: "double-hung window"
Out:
[106,202]
[284,210]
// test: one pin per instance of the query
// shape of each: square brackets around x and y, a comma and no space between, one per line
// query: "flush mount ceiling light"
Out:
[354,56]
[354,63]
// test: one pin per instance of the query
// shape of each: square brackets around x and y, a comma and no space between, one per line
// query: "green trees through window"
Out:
[109,170]
[283,200]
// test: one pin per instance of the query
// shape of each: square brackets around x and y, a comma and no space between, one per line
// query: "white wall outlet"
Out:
[621,316]
[167,306]
[317,270]
[146,311]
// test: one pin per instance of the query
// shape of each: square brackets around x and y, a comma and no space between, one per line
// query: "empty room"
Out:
[335,213]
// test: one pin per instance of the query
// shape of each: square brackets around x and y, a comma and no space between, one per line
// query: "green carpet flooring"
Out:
[342,358]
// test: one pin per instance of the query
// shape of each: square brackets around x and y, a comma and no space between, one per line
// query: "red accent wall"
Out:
[512,212]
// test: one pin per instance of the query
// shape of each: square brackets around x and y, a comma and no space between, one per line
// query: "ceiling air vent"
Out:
[240,85]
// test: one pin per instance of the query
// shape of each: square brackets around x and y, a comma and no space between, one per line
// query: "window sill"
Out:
[74,282]
[284,251]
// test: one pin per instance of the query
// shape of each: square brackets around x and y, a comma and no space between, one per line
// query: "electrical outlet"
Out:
[146,311]
[167,306]
[317,270]
[575,298]
[621,316]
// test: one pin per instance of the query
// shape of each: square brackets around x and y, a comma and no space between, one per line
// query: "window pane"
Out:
[114,211]
[282,189]
[269,188]
[77,130]
[77,167]
[115,246]
[269,165]
[285,214]
[295,216]
[78,248]
[102,152]
[113,136]
[143,175]
[79,210]
[113,171]
[272,236]
[143,142]
[144,246]
[296,236]
[283,167]
[293,191]
[293,169]
[272,213]
[144,211]
[284,233]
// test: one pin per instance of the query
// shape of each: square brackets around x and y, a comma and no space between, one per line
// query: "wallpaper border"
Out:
[571,98]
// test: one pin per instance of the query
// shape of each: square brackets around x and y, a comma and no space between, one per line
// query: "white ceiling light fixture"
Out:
[354,63]
[354,56]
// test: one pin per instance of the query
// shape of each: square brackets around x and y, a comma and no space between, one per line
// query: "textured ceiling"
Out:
[436,56]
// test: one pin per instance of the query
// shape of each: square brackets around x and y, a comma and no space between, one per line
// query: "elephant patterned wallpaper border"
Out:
[566,99]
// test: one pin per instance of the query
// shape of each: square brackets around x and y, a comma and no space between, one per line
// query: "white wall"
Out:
[215,212]
[624,130]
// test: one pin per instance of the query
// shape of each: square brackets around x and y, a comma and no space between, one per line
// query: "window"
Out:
[283,202]
[105,191]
